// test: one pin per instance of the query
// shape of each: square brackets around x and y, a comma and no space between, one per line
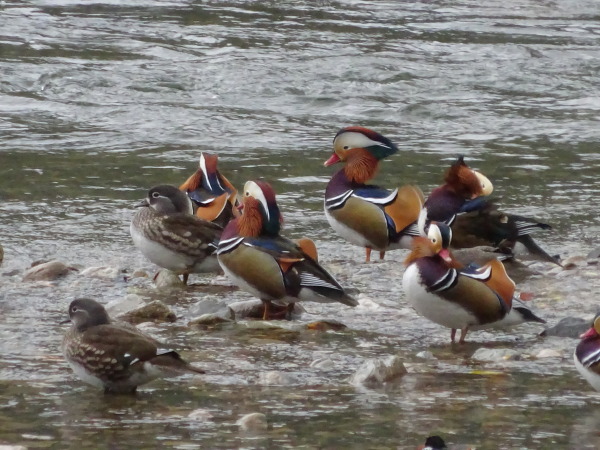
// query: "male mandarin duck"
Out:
[459,297]
[169,235]
[269,266]
[364,214]
[463,203]
[587,354]
[213,196]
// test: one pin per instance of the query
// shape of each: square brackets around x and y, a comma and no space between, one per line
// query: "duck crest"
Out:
[361,167]
[463,180]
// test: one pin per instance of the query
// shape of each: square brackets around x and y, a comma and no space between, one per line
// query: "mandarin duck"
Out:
[115,356]
[367,215]
[169,235]
[214,198]
[271,267]
[456,296]
[587,354]
[463,203]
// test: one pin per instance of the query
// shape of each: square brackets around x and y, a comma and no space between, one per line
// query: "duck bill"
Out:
[445,254]
[589,333]
[332,160]
[141,204]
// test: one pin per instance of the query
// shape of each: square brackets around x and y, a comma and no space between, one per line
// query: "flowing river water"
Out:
[99,101]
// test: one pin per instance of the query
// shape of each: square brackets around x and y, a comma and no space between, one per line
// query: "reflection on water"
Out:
[100,101]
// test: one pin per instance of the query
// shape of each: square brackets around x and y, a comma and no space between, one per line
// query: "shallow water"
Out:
[100,101]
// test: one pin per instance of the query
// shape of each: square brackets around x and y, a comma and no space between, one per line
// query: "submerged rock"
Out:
[548,353]
[495,354]
[253,422]
[155,311]
[207,320]
[568,327]
[125,304]
[47,271]
[1,254]
[254,309]
[167,279]
[201,415]
[376,372]
[102,272]
[326,325]
[276,378]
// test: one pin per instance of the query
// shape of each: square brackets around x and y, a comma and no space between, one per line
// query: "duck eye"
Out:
[247,194]
[346,147]
[155,195]
[74,309]
[434,240]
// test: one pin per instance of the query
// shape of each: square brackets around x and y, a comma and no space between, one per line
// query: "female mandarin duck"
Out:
[456,296]
[463,203]
[213,196]
[269,266]
[587,354]
[363,214]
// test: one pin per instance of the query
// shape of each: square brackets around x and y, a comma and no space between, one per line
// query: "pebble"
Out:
[276,378]
[102,272]
[210,306]
[253,422]
[155,311]
[548,353]
[167,279]
[376,372]
[496,354]
[139,273]
[47,271]
[570,327]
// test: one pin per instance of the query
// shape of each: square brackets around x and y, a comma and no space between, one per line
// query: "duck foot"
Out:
[463,334]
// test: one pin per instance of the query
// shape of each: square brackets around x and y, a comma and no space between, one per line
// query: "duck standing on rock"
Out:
[168,234]
[456,296]
[213,196]
[115,357]
[271,267]
[587,354]
[463,203]
[364,214]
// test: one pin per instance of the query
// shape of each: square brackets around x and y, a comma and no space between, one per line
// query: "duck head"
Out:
[260,211]
[86,313]
[467,182]
[594,330]
[167,199]
[207,177]
[437,242]
[361,149]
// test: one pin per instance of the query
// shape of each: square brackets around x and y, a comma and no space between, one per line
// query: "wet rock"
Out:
[155,311]
[139,273]
[496,354]
[276,378]
[322,363]
[200,415]
[102,272]
[13,447]
[208,320]
[1,254]
[425,355]
[47,271]
[376,372]
[548,353]
[210,306]
[326,325]
[253,422]
[570,327]
[124,305]
[254,309]
[594,255]
[573,261]
[167,279]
